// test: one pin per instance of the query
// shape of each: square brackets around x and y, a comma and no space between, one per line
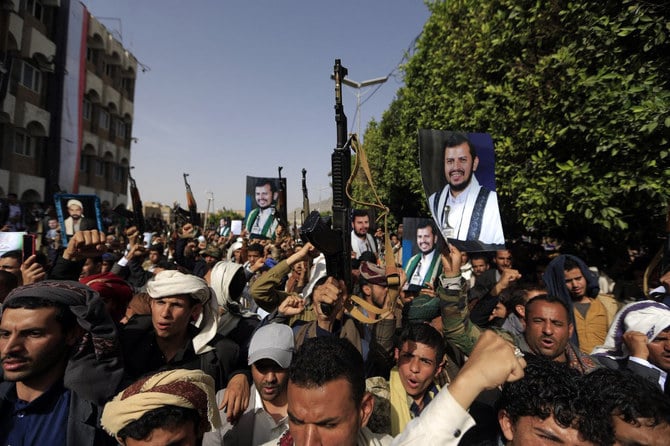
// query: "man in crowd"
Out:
[26,271]
[639,341]
[636,412]
[328,405]
[13,215]
[547,407]
[480,263]
[261,221]
[168,339]
[174,407]
[591,312]
[488,286]
[424,268]
[515,301]
[48,396]
[464,209]
[420,359]
[270,354]
[361,240]
[547,333]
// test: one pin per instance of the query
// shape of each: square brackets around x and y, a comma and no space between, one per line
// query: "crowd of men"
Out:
[218,339]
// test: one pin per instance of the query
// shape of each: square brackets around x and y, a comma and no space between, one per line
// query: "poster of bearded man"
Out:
[458,174]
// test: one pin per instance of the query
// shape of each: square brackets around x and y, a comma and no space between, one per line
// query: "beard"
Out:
[360,234]
[460,187]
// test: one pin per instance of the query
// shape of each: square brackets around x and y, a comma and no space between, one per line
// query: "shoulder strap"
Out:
[436,203]
[478,214]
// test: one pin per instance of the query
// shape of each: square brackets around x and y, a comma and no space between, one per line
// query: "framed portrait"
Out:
[458,175]
[265,206]
[77,213]
[363,227]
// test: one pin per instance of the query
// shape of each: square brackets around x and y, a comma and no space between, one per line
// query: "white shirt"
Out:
[265,427]
[259,222]
[460,213]
[422,268]
[360,246]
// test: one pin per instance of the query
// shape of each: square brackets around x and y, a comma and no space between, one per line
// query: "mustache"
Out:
[13,356]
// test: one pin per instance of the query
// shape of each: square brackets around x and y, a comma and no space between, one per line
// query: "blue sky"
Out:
[237,88]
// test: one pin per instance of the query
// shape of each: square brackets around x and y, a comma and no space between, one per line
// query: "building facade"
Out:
[66,103]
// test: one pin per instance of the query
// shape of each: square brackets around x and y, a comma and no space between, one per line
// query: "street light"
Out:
[210,200]
[358,86]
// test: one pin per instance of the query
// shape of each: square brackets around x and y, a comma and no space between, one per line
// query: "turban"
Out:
[174,283]
[645,316]
[234,247]
[94,368]
[113,288]
[220,278]
[74,202]
[190,389]
[82,301]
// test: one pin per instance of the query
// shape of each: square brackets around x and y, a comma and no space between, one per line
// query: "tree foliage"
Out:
[575,95]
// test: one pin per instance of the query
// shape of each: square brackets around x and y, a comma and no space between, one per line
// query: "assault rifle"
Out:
[192,205]
[335,242]
[136,217]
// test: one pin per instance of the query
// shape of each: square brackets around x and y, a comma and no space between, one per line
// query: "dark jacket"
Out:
[83,421]
[142,355]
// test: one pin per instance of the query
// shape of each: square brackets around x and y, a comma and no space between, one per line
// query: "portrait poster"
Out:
[362,233]
[458,174]
[265,206]
[77,212]
[410,247]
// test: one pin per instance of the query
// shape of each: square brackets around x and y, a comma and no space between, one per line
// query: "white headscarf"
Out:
[220,277]
[646,316]
[235,246]
[173,283]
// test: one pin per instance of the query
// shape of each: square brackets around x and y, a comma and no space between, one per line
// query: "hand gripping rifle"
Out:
[192,205]
[335,242]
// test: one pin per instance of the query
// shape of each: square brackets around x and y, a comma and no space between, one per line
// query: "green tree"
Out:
[575,95]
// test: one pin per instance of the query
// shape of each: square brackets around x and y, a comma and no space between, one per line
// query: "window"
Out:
[86,109]
[83,164]
[31,77]
[104,119]
[99,168]
[127,84]
[24,144]
[34,7]
[120,129]
[110,70]
[118,173]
